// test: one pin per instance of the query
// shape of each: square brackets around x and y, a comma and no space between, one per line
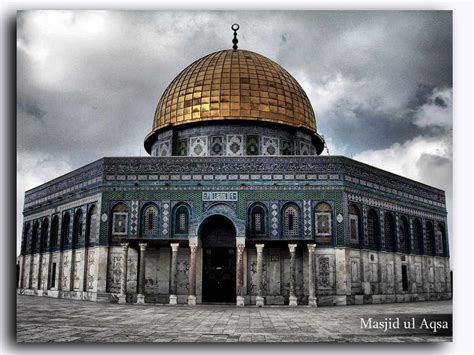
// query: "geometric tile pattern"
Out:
[198,146]
[134,218]
[274,220]
[270,146]
[235,146]
[307,217]
[166,219]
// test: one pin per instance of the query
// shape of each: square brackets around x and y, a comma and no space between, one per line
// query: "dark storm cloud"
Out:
[116,77]
[89,82]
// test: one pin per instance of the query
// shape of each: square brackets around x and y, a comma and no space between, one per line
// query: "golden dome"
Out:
[234,85]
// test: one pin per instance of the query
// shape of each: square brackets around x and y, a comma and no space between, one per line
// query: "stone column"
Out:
[311,284]
[72,268]
[85,261]
[22,271]
[40,273]
[193,245]
[293,299]
[141,274]
[50,263]
[123,274]
[30,274]
[240,241]
[173,274]
[259,300]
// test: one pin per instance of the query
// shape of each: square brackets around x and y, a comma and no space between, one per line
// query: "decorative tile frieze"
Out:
[198,146]
[274,220]
[307,220]
[234,145]
[134,218]
[395,207]
[270,146]
[166,219]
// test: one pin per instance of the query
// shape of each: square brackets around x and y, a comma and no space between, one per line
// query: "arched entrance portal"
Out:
[217,234]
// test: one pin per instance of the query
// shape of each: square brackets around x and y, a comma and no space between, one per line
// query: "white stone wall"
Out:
[341,274]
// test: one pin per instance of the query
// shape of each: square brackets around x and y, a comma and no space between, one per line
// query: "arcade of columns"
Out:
[193,245]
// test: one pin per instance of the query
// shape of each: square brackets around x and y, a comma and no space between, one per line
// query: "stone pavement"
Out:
[42,319]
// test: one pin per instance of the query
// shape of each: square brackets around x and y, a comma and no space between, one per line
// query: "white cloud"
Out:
[406,159]
[427,160]
[34,169]
[438,111]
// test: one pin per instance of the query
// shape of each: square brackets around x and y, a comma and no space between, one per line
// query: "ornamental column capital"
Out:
[174,246]
[259,248]
[311,248]
[292,247]
[240,241]
[142,246]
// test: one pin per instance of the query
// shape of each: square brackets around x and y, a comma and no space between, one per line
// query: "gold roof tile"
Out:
[238,77]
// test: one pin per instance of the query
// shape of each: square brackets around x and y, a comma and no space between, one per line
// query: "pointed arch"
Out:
[91,226]
[44,235]
[34,237]
[54,233]
[373,229]
[429,247]
[355,226]
[389,231]
[149,221]
[417,237]
[404,234]
[181,213]
[65,230]
[323,220]
[440,239]
[291,220]
[119,222]
[257,217]
[26,244]
[77,228]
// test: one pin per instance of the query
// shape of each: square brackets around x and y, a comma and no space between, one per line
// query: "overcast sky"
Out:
[380,82]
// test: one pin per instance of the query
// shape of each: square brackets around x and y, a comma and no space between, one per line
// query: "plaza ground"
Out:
[42,319]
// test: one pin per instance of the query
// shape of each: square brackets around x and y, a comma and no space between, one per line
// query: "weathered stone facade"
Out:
[87,262]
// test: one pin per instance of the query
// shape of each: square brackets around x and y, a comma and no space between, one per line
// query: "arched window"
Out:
[149,226]
[78,227]
[181,220]
[373,231]
[354,224]
[34,238]
[65,229]
[322,216]
[257,220]
[44,235]
[389,231]
[54,232]
[119,221]
[440,239]
[91,225]
[26,243]
[429,238]
[291,220]
[417,236]
[403,234]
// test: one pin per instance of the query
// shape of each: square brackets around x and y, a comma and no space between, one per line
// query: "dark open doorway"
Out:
[218,275]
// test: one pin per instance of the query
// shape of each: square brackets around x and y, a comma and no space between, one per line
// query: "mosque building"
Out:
[235,204]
